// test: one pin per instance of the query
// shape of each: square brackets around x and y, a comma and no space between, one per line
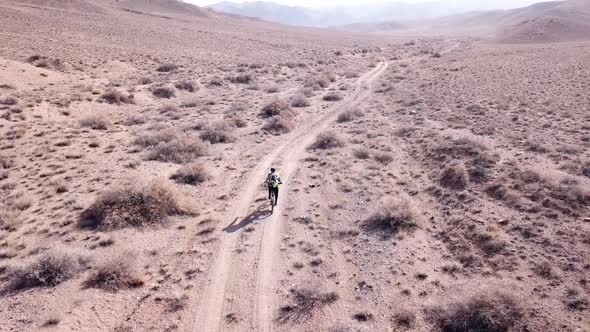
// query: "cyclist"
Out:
[273,180]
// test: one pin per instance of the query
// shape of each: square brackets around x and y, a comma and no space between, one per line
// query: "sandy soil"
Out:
[419,175]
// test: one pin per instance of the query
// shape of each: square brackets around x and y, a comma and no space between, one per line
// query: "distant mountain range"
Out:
[346,15]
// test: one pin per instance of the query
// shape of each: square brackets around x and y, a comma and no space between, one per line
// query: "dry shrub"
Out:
[190,86]
[278,125]
[383,158]
[405,320]
[133,206]
[215,82]
[47,270]
[60,185]
[135,119]
[483,313]
[145,80]
[191,174]
[332,96]
[489,245]
[167,145]
[154,136]
[306,302]
[116,273]
[327,140]
[163,91]
[394,217]
[317,82]
[243,79]
[115,96]
[218,132]
[9,101]
[95,121]
[361,153]
[454,178]
[300,100]
[277,107]
[348,116]
[5,162]
[167,67]
[9,218]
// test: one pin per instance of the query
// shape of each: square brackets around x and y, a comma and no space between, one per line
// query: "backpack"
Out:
[273,180]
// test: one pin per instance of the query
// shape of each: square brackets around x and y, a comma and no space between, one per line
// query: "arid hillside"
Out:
[430,184]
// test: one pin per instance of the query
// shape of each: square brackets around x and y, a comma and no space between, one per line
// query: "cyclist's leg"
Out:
[269,191]
[276,195]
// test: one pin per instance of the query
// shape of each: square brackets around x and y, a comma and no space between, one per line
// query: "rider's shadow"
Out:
[259,214]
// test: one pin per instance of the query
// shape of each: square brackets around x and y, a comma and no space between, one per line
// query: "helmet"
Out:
[273,170]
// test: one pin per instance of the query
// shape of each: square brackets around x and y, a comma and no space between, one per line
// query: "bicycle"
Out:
[273,202]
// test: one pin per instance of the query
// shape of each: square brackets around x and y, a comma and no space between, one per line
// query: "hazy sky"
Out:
[331,3]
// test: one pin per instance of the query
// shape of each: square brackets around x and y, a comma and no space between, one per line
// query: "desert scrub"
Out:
[134,206]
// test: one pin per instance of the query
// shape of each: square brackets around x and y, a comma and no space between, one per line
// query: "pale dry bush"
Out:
[279,125]
[137,205]
[300,100]
[327,140]
[306,303]
[116,96]
[276,107]
[47,270]
[96,121]
[218,132]
[489,313]
[115,273]
[393,217]
[191,174]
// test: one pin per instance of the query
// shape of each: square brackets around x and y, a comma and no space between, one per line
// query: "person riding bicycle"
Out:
[273,180]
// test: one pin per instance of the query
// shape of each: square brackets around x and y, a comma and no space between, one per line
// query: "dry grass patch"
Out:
[327,140]
[95,121]
[306,302]
[134,206]
[484,313]
[383,158]
[361,153]
[192,174]
[115,96]
[397,216]
[47,270]
[116,273]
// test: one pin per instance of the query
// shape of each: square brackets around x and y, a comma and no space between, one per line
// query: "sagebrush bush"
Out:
[277,107]
[116,273]
[133,206]
[191,174]
[392,218]
[47,270]
[218,132]
[167,67]
[307,301]
[327,140]
[188,85]
[482,313]
[180,149]
[299,101]
[332,96]
[95,121]
[278,125]
[164,91]
[243,79]
[454,178]
[115,96]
